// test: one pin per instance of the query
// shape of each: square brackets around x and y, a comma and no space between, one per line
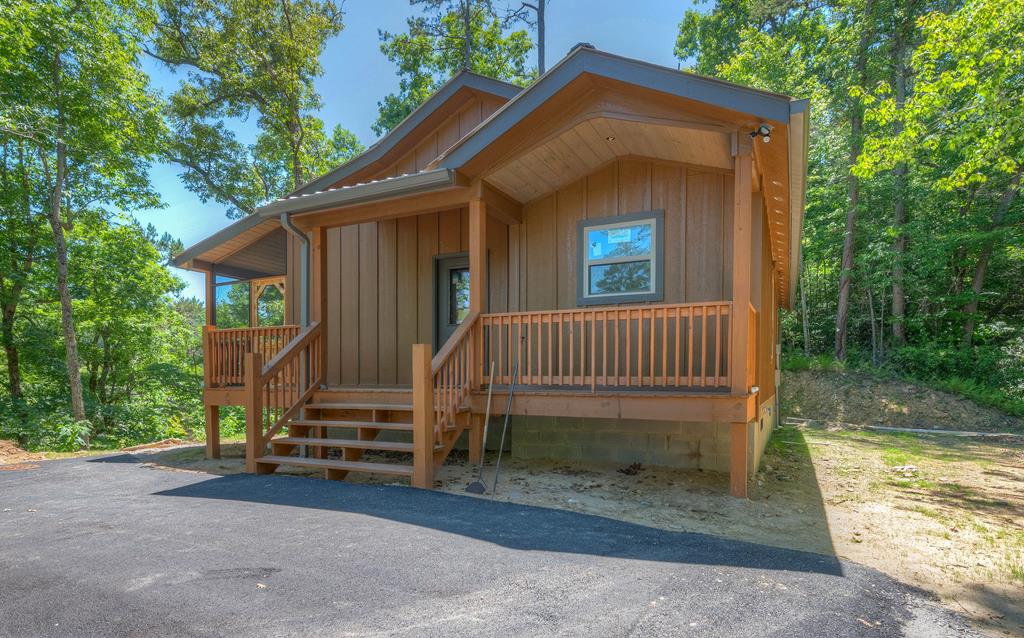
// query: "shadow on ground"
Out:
[509,525]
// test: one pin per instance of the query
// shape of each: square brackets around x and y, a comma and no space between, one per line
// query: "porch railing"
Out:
[224,350]
[653,346]
[275,392]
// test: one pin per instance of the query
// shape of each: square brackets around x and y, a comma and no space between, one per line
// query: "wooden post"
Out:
[738,461]
[476,438]
[211,298]
[318,287]
[422,417]
[211,411]
[742,249]
[478,288]
[253,409]
[477,255]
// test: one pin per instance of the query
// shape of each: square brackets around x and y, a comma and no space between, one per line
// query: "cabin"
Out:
[615,240]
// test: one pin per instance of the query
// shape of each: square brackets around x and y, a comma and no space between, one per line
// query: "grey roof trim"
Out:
[361,193]
[344,196]
[464,79]
[218,238]
[761,104]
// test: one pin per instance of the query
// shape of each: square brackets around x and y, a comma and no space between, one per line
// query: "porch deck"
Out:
[654,362]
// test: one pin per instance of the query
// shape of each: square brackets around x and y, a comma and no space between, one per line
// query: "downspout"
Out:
[286,222]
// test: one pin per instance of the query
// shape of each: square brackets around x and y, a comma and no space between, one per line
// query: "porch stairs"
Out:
[337,426]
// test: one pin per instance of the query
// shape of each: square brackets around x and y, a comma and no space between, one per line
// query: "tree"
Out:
[966,106]
[533,15]
[455,35]
[244,58]
[75,93]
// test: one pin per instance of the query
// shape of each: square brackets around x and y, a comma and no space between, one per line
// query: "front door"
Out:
[452,299]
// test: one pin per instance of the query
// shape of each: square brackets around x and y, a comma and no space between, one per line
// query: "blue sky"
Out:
[357,76]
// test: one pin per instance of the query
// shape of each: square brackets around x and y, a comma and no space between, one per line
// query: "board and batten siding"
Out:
[698,227]
[381,274]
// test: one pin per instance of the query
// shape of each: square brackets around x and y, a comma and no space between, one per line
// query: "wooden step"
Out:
[376,425]
[338,464]
[395,446]
[396,407]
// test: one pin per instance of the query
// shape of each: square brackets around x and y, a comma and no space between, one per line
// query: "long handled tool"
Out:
[508,410]
[477,486]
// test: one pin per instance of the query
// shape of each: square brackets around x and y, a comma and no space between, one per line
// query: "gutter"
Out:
[362,193]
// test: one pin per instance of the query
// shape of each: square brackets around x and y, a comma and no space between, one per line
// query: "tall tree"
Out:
[243,58]
[965,110]
[74,90]
[454,35]
[533,15]
[22,234]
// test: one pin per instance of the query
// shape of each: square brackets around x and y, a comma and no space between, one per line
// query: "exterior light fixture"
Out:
[764,131]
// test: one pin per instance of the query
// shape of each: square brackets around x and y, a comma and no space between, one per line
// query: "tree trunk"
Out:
[853,194]
[11,351]
[66,316]
[804,319]
[981,268]
[467,35]
[874,332]
[61,250]
[899,215]
[540,36]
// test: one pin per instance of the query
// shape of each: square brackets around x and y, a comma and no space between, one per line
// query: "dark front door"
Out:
[452,299]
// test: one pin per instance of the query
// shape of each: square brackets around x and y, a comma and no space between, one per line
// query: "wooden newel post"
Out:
[211,411]
[422,417]
[253,409]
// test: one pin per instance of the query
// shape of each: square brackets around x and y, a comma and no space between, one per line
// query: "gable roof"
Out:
[464,80]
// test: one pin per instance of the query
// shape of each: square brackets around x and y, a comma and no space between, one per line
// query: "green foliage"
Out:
[435,48]
[941,97]
[247,58]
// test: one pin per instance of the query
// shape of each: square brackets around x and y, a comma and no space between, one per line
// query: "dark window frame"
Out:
[657,259]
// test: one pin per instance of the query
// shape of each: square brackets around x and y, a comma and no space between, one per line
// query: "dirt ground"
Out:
[942,513]
[852,397]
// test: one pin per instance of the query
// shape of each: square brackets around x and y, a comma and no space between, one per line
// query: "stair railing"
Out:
[275,392]
[439,388]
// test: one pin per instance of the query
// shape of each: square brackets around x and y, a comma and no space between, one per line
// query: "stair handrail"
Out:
[275,392]
[453,371]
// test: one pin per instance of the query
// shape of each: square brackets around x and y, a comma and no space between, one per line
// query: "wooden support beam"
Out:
[422,417]
[477,255]
[212,431]
[476,438]
[742,249]
[253,409]
[738,459]
[501,206]
[318,285]
[211,298]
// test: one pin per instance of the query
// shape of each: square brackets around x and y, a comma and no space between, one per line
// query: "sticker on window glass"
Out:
[595,249]
[618,235]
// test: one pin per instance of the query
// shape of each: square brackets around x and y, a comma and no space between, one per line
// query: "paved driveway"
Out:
[111,547]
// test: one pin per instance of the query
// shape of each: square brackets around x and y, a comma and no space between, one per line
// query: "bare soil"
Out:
[10,452]
[852,397]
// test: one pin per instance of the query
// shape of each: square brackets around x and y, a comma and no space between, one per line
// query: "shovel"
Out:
[477,486]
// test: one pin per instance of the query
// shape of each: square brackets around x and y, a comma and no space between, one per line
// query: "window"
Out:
[620,259]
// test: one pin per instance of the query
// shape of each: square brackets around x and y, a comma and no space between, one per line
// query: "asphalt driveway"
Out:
[112,547]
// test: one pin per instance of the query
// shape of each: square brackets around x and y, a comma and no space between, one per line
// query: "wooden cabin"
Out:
[616,239]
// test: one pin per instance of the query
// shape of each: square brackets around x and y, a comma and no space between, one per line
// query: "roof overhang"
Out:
[218,247]
[742,107]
